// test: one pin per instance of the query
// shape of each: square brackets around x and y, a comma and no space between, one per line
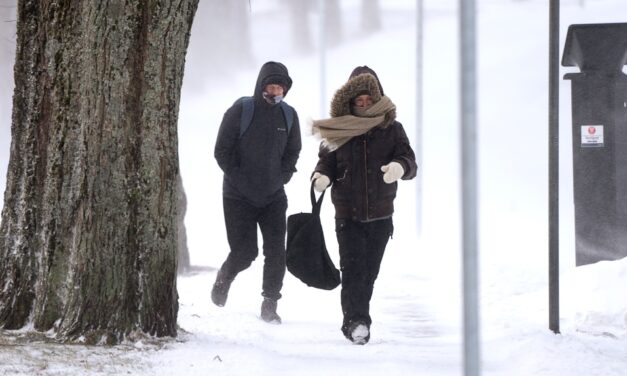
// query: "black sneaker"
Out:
[359,333]
[268,311]
[220,290]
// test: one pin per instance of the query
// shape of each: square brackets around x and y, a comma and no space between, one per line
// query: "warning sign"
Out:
[591,135]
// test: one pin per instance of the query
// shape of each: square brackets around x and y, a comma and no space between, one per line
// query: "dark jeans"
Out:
[362,245]
[241,221]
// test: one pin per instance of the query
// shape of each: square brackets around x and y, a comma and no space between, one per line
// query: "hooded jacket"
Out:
[258,164]
[358,191]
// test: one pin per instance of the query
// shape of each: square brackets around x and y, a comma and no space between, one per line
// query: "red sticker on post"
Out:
[592,136]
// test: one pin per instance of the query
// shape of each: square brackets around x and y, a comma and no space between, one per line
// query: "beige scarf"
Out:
[337,131]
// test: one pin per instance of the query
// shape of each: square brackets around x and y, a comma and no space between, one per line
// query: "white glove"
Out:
[321,182]
[392,172]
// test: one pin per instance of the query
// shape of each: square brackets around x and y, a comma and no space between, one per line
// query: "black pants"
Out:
[241,221]
[362,245]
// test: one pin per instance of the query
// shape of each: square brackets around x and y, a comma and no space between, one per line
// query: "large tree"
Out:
[89,224]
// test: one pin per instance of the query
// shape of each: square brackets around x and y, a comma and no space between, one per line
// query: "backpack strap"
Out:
[288,113]
[248,110]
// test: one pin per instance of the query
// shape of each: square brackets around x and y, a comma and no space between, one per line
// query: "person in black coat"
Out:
[257,159]
[364,152]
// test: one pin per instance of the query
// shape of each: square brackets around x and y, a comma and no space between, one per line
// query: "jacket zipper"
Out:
[366,176]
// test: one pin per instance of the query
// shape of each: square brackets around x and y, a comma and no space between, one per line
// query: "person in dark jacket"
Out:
[256,165]
[364,152]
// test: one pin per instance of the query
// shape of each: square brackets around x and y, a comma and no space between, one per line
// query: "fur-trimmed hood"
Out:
[355,86]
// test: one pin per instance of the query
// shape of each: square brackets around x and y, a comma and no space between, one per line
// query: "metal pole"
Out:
[554,21]
[469,187]
[323,59]
[419,107]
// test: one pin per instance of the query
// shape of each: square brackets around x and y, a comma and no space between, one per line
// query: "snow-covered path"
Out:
[406,337]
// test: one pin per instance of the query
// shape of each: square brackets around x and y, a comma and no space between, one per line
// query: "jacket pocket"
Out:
[340,225]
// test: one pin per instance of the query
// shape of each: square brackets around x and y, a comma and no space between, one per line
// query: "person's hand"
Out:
[392,172]
[321,182]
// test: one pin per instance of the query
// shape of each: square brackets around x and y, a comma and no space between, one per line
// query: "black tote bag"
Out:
[306,253]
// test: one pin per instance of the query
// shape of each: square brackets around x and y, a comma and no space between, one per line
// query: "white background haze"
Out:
[416,307]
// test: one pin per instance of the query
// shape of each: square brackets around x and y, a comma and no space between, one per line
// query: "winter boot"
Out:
[268,311]
[220,290]
[359,333]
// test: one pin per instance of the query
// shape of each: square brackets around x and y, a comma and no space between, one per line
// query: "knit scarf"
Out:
[337,131]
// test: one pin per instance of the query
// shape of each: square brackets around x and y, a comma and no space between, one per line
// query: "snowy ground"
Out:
[416,304]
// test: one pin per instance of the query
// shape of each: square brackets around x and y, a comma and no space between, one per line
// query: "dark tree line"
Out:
[225,35]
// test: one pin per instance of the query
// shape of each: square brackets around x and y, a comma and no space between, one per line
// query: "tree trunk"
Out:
[89,232]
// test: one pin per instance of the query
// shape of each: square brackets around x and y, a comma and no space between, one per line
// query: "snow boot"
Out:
[268,311]
[220,290]
[359,333]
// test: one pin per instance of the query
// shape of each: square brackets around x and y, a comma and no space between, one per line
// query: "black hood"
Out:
[272,73]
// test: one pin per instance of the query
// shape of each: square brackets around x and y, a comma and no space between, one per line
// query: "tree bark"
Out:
[89,225]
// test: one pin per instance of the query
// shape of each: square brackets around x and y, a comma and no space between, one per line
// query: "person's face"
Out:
[363,101]
[274,90]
